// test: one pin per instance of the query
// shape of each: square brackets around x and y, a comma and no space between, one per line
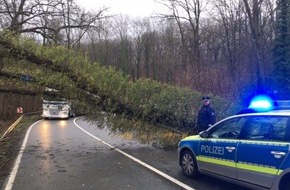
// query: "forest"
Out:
[228,49]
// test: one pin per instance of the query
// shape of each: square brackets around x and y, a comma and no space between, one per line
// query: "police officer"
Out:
[206,115]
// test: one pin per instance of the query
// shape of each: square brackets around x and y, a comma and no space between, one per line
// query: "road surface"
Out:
[75,154]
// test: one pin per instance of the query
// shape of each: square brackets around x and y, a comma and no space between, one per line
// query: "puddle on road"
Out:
[158,136]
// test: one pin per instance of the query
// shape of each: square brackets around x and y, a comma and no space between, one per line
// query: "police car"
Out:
[251,149]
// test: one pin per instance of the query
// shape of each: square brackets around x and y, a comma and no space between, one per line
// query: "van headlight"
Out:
[45,106]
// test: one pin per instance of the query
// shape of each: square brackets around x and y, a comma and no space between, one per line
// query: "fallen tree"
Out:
[104,89]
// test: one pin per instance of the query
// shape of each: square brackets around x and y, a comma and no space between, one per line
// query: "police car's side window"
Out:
[229,129]
[265,128]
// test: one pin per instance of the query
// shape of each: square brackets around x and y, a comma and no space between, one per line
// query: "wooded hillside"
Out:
[230,50]
[95,88]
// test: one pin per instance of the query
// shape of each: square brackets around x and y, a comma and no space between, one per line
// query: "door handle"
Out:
[230,148]
[278,154]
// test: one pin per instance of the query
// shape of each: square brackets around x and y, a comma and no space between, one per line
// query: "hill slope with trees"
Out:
[97,88]
[154,69]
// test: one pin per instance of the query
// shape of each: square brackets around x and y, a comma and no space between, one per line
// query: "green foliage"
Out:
[107,80]
[93,85]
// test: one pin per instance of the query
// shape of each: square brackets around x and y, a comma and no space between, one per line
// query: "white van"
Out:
[54,106]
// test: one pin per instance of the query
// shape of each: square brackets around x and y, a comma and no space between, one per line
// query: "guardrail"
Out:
[16,123]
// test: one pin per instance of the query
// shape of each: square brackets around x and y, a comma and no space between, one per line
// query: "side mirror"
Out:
[203,134]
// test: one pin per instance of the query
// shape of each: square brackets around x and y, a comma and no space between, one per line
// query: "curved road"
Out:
[75,154]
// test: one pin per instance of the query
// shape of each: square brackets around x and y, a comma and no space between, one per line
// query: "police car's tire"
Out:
[285,184]
[188,164]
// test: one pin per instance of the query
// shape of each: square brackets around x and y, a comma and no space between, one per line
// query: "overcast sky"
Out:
[134,8]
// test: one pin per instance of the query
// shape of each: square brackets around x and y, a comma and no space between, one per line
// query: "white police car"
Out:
[251,149]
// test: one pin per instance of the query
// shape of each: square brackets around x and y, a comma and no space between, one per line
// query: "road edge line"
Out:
[177,182]
[13,173]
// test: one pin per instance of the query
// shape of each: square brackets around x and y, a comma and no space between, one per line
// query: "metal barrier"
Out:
[16,123]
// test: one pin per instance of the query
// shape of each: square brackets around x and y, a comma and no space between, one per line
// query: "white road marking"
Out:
[179,183]
[14,171]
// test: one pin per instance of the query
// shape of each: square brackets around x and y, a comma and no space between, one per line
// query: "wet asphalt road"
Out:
[68,155]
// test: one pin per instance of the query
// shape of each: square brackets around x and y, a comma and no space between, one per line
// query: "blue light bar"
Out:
[261,103]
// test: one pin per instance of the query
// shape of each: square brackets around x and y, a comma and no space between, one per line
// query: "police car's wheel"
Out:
[188,164]
[286,185]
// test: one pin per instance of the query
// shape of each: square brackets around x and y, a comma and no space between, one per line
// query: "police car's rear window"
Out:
[267,128]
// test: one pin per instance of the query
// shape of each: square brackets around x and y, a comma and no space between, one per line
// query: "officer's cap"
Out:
[204,98]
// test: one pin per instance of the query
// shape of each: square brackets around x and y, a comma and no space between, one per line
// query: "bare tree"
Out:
[187,15]
[138,29]
[121,29]
[61,21]
[229,12]
[257,24]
